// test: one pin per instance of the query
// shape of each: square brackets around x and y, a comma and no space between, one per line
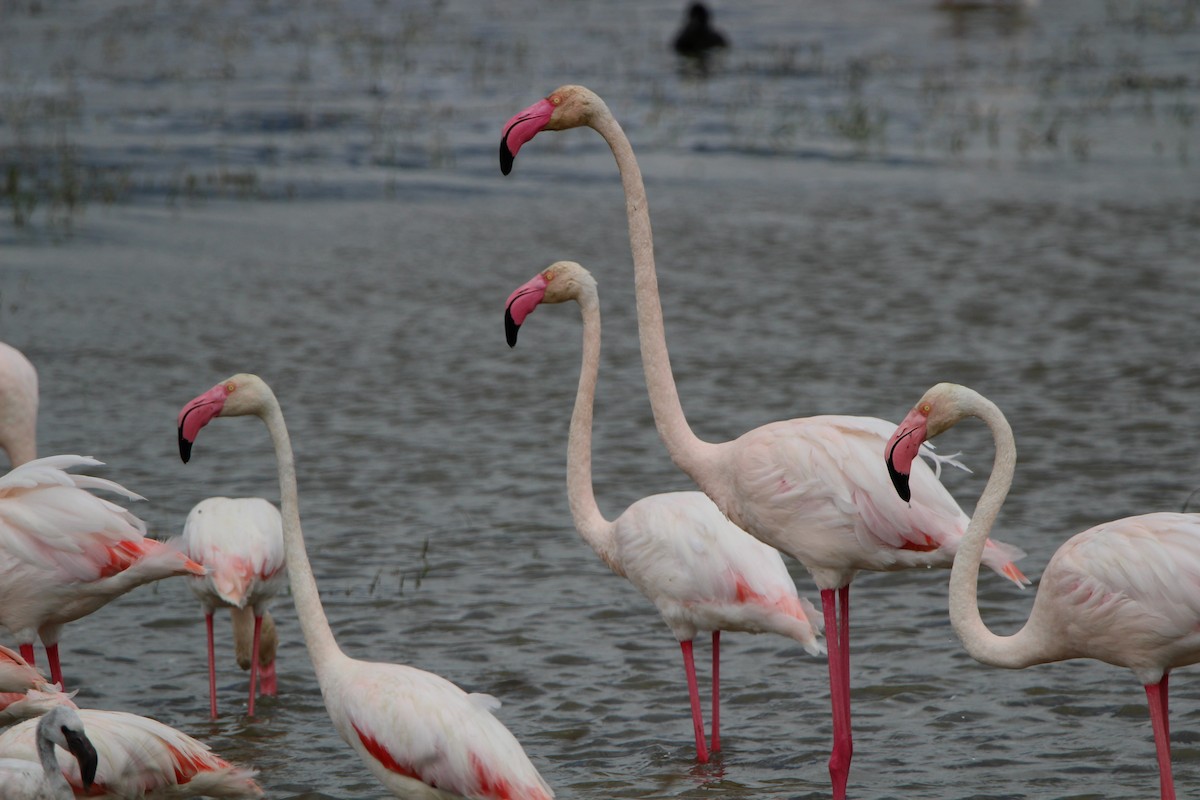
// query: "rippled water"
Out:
[857,201]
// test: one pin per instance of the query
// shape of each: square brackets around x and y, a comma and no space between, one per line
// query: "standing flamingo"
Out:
[18,405]
[240,541]
[812,487]
[416,731]
[702,572]
[1125,592]
[43,779]
[135,757]
[65,552]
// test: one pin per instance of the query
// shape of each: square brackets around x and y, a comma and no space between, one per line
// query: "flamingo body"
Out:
[1125,592]
[419,734]
[140,757]
[240,543]
[66,552]
[18,405]
[24,778]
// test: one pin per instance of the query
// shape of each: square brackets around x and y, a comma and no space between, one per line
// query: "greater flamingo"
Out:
[23,778]
[419,734]
[239,540]
[25,692]
[137,757]
[701,571]
[18,405]
[812,487]
[1124,592]
[65,552]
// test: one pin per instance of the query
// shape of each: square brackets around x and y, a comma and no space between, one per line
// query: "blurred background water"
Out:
[855,201]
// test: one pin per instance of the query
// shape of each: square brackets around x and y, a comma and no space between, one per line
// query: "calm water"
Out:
[859,200]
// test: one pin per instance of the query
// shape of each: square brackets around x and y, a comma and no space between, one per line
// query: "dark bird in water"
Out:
[698,36]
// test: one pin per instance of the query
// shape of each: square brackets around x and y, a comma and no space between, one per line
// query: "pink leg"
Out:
[267,683]
[254,662]
[689,667]
[55,667]
[1156,696]
[212,667]
[837,643]
[27,654]
[716,692]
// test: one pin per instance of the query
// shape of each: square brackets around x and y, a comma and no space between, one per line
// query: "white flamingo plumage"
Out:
[812,487]
[418,733]
[138,757]
[701,571]
[239,540]
[18,405]
[66,552]
[1125,592]
[24,691]
[35,773]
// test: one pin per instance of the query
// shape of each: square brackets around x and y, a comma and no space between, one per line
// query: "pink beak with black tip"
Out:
[520,129]
[902,449]
[196,414]
[521,304]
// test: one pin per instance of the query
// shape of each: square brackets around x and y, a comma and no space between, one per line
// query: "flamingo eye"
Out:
[230,387]
[926,408]
[555,99]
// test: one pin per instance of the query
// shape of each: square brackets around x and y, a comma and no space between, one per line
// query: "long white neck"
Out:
[322,647]
[54,780]
[684,447]
[1025,647]
[591,524]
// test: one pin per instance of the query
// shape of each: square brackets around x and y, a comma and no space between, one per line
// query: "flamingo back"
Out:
[240,541]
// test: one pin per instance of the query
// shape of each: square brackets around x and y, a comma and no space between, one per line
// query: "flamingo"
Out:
[18,405]
[43,779]
[1123,592]
[419,734]
[24,691]
[65,552]
[136,756]
[240,541]
[811,487]
[702,572]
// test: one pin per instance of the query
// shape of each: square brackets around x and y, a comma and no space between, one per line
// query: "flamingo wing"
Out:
[413,727]
[240,541]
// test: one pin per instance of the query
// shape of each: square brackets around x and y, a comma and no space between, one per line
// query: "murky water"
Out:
[859,200]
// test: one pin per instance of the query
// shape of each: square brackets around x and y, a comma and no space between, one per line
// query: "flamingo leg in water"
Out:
[212,667]
[715,742]
[1156,696]
[267,682]
[56,675]
[689,666]
[837,642]
[254,662]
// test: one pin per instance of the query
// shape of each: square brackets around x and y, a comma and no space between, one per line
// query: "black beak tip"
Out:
[900,481]
[511,328]
[185,447]
[506,159]
[85,753]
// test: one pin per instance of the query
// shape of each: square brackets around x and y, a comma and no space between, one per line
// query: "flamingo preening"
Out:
[239,540]
[132,757]
[419,734]
[702,572]
[1125,592]
[813,487]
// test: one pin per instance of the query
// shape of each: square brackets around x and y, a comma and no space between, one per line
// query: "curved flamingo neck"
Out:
[322,647]
[684,447]
[53,779]
[1024,647]
[589,521]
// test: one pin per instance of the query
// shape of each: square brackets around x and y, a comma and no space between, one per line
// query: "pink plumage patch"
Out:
[389,762]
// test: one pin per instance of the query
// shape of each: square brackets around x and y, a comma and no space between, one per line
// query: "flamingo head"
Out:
[236,396]
[557,283]
[63,727]
[940,407]
[566,107]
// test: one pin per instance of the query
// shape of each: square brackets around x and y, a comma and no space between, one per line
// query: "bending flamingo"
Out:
[702,572]
[18,405]
[240,541]
[65,552]
[416,731]
[136,757]
[24,778]
[1124,592]
[812,487]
